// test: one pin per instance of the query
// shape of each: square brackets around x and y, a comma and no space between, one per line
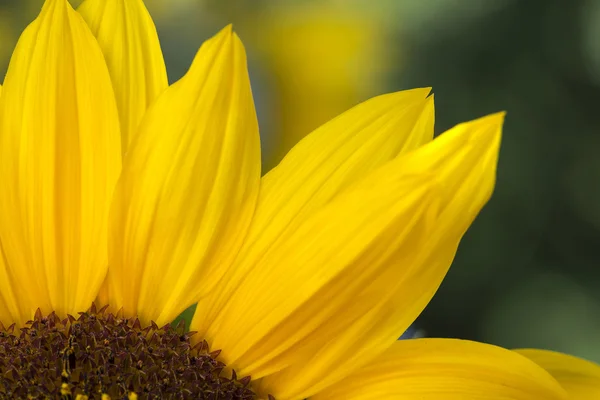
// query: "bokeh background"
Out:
[528,272]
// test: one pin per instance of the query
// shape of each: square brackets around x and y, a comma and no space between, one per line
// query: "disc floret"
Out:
[101,355]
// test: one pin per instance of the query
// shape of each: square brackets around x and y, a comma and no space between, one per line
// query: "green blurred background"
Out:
[527,272]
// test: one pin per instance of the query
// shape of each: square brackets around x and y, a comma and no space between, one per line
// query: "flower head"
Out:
[148,199]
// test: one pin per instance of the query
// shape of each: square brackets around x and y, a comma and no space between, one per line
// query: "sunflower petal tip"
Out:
[402,97]
[65,4]
[498,116]
[227,37]
[50,4]
[495,119]
[496,122]
[420,92]
[226,31]
[488,127]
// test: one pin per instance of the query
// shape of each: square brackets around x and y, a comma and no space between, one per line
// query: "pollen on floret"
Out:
[100,355]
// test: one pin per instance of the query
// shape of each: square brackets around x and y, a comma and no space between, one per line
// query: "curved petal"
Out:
[579,377]
[11,309]
[128,38]
[60,151]
[188,188]
[449,369]
[321,166]
[343,286]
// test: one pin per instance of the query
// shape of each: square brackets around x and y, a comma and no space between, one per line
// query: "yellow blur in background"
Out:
[323,58]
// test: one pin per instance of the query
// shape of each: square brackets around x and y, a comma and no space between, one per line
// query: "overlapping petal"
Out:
[128,38]
[188,187]
[318,168]
[341,287]
[60,152]
[11,309]
[285,304]
[579,377]
[449,369]
[129,42]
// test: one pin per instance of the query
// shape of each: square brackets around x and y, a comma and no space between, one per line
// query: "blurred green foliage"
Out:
[527,272]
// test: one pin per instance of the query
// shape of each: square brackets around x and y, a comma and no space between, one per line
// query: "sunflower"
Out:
[147,199]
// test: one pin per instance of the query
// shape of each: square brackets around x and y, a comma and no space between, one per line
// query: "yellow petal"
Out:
[11,308]
[188,188]
[128,39]
[130,45]
[331,254]
[580,378]
[465,158]
[449,369]
[351,278]
[320,167]
[60,152]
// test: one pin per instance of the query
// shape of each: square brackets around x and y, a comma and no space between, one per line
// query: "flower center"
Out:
[101,356]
